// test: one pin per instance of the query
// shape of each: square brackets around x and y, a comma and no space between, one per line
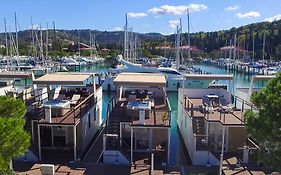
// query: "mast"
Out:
[263,48]
[47,41]
[165,52]
[79,43]
[17,40]
[180,44]
[6,37]
[41,44]
[33,40]
[126,38]
[230,50]
[178,48]
[188,41]
[234,47]
[91,45]
[253,57]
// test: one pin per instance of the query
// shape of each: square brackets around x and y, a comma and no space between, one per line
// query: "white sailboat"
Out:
[173,76]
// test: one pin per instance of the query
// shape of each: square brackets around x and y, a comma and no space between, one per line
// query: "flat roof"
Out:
[15,75]
[263,77]
[209,76]
[140,79]
[62,79]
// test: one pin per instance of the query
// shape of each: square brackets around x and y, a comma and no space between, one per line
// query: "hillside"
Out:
[206,41]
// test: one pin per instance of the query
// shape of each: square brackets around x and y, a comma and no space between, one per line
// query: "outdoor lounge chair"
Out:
[75,98]
[207,105]
[226,107]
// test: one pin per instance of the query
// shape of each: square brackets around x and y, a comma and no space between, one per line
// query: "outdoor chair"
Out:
[226,107]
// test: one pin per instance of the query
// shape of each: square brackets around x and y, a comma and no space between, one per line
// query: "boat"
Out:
[138,121]
[64,112]
[66,61]
[212,125]
[174,78]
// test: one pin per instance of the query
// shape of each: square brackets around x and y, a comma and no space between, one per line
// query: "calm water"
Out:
[177,150]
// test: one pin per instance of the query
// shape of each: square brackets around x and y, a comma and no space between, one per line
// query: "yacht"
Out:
[69,62]
[174,78]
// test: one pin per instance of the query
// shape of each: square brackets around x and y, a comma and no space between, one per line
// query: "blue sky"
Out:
[145,15]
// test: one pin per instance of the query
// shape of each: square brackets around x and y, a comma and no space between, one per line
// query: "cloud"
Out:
[136,15]
[145,25]
[177,10]
[174,23]
[273,18]
[232,8]
[251,14]
[117,29]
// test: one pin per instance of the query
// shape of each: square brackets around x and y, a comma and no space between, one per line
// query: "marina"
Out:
[163,94]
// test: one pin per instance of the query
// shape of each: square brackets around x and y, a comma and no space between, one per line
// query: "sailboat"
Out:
[173,76]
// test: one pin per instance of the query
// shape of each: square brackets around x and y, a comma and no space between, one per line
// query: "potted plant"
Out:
[165,117]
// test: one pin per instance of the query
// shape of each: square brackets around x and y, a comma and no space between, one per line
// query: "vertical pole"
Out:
[169,144]
[47,42]
[152,164]
[17,40]
[253,56]
[32,130]
[222,150]
[132,135]
[74,143]
[52,135]
[39,142]
[263,47]
[104,143]
[6,37]
[120,135]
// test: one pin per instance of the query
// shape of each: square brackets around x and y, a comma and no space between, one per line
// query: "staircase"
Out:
[113,141]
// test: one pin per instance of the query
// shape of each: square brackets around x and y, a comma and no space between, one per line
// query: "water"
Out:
[240,80]
[177,152]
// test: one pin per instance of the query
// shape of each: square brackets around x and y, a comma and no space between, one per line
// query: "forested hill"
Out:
[206,41]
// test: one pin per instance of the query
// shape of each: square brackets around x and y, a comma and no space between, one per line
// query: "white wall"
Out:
[88,133]
[186,129]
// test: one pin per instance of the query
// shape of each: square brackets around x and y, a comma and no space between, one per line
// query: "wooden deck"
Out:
[154,117]
[226,118]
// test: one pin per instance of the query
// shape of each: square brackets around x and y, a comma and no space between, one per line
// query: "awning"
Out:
[209,76]
[263,77]
[140,79]
[15,75]
[62,79]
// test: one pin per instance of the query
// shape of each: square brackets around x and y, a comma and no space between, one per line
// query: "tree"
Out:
[14,140]
[265,125]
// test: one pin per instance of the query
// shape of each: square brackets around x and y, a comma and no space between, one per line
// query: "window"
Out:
[89,120]
[170,72]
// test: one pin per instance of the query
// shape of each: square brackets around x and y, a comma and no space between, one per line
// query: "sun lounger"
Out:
[75,98]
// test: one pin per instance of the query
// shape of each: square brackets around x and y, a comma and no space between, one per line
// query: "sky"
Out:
[144,16]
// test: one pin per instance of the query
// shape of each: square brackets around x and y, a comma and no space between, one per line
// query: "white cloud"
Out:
[145,25]
[273,18]
[174,23]
[117,29]
[251,14]
[232,8]
[177,10]
[136,15]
